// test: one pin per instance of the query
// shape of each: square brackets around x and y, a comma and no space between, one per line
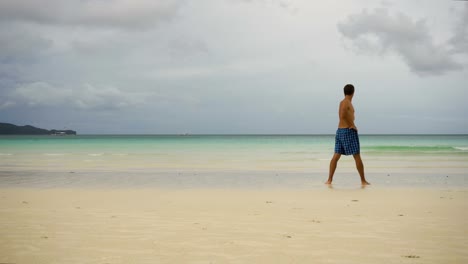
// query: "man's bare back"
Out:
[346,114]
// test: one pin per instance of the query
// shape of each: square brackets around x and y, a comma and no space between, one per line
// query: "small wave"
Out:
[296,152]
[6,154]
[119,154]
[409,148]
[54,154]
[461,148]
[95,154]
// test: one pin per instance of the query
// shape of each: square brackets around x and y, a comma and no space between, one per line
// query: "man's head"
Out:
[348,89]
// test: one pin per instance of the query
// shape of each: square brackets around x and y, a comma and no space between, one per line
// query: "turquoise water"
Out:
[454,143]
[30,157]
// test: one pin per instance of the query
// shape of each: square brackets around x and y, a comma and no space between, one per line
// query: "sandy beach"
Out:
[233,225]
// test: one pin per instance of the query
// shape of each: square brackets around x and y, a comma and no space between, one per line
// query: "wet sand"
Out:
[86,225]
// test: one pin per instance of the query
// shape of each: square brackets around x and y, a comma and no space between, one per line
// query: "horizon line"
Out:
[266,134]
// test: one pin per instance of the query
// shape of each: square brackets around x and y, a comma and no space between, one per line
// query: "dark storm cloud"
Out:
[380,32]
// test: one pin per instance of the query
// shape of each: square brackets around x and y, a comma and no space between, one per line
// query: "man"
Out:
[347,139]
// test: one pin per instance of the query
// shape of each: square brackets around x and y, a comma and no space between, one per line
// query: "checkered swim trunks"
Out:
[347,141]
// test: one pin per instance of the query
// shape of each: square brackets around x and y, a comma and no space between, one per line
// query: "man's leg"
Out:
[360,168]
[333,164]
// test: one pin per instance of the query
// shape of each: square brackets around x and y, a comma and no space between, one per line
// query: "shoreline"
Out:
[197,179]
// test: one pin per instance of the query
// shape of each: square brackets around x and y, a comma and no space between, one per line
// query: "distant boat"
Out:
[54,132]
[59,133]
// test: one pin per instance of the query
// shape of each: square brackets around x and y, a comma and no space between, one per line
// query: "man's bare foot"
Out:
[329,182]
[365,183]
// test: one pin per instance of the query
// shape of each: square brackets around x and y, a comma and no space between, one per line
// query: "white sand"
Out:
[233,226]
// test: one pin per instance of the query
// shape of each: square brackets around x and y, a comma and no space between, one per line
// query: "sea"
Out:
[229,161]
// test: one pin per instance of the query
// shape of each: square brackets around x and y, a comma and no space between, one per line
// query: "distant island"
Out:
[10,129]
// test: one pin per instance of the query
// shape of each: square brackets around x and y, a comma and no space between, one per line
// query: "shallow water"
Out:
[227,160]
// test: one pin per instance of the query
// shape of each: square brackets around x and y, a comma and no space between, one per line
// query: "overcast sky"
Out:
[234,66]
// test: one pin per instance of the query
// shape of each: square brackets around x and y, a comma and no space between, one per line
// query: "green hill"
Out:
[10,129]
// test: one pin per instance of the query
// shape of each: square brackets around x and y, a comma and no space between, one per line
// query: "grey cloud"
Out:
[213,66]
[459,40]
[183,47]
[243,67]
[285,4]
[84,97]
[111,13]
[7,104]
[20,48]
[379,32]
[92,97]
[21,44]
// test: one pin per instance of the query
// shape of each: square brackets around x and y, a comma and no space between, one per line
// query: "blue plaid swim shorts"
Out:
[347,141]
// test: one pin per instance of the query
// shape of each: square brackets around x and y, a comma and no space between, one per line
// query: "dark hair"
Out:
[349,89]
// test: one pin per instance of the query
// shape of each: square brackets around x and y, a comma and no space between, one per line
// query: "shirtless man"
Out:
[347,139]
